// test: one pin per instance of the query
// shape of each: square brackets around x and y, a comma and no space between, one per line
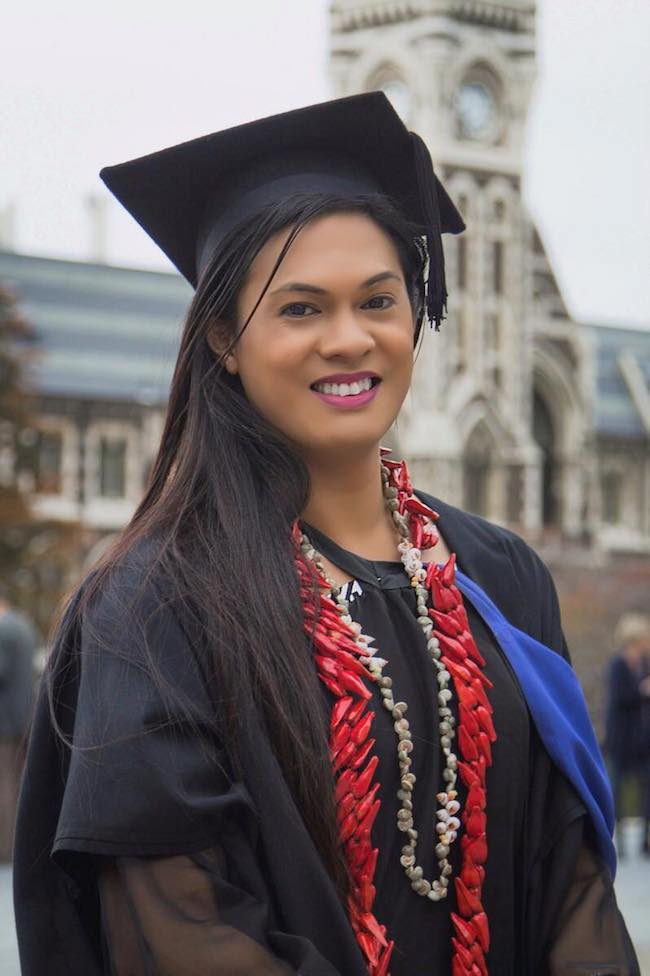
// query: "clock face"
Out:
[475,106]
[399,96]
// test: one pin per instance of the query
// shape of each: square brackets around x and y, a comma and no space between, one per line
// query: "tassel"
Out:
[436,288]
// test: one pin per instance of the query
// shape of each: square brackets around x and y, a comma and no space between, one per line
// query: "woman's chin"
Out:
[339,444]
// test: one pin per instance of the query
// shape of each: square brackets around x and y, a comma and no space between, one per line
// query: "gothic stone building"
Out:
[517,411]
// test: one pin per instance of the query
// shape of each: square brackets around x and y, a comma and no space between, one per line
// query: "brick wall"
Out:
[592,599]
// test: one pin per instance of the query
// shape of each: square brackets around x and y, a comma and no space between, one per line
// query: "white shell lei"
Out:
[447,823]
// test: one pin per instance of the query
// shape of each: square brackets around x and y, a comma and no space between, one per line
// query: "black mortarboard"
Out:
[189,197]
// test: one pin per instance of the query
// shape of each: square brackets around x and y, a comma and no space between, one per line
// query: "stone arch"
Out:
[555,382]
[499,190]
[480,57]
[384,71]
[478,470]
[378,63]
[484,441]
[463,189]
[557,429]
[544,435]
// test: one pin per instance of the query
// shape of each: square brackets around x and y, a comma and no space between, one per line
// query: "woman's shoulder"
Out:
[129,638]
[482,539]
[128,610]
[504,565]
[134,583]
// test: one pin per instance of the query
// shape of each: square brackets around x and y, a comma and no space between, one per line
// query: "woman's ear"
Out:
[218,338]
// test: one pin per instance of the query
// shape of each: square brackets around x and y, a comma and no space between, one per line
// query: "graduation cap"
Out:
[189,197]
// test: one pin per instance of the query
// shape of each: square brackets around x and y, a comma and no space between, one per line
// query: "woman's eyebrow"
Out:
[315,290]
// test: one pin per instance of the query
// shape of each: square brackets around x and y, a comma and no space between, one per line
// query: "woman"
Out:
[214,787]
[627,731]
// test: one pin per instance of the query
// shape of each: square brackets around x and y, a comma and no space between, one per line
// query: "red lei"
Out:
[351,747]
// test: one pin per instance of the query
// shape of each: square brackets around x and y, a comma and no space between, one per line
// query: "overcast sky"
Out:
[85,84]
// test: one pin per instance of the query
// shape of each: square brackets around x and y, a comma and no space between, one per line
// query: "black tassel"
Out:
[436,288]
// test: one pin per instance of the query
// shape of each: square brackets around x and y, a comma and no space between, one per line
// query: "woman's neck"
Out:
[347,504]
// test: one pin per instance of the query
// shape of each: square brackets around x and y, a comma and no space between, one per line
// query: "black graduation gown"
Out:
[161,805]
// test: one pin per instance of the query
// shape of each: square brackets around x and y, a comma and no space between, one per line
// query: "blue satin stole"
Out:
[558,709]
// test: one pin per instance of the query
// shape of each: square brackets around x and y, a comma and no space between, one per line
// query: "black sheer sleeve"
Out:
[184,916]
[590,936]
[176,916]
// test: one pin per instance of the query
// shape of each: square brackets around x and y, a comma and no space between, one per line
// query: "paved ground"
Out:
[632,888]
[633,894]
[8,952]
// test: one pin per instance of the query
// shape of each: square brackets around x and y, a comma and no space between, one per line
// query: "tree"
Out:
[36,555]
[16,338]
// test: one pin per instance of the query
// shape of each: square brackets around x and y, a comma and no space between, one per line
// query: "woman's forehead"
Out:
[353,246]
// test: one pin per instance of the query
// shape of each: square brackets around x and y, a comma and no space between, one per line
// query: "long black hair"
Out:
[222,495]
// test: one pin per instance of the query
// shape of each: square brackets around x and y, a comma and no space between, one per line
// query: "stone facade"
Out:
[506,428]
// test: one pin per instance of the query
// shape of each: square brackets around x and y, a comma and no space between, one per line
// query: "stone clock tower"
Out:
[496,421]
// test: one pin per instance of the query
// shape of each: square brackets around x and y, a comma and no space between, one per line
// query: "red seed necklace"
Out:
[349,669]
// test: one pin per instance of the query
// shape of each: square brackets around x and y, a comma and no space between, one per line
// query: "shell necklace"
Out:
[345,663]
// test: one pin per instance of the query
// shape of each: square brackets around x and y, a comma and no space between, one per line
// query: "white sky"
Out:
[85,84]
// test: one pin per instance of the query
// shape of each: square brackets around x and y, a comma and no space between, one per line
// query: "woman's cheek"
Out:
[275,397]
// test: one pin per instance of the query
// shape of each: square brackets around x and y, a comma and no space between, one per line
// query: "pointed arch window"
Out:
[477,471]
[545,437]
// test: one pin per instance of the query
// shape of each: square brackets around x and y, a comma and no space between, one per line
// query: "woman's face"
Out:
[327,356]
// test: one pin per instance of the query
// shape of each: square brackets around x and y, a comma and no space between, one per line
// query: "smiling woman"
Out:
[221,774]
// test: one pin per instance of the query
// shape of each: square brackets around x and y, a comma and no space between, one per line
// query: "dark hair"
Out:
[222,495]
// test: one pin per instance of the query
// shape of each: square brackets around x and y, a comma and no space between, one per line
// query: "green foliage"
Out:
[15,335]
[36,556]
[16,344]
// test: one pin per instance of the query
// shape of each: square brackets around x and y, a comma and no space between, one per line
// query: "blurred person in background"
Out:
[627,734]
[17,647]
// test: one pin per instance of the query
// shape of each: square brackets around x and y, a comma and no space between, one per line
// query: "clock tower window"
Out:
[477,105]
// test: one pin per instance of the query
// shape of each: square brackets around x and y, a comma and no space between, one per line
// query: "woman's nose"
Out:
[345,337]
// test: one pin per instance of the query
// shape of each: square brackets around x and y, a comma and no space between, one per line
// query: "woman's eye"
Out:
[298,310]
[380,302]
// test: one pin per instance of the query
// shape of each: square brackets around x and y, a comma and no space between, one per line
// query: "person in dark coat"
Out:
[304,718]
[627,735]
[17,649]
